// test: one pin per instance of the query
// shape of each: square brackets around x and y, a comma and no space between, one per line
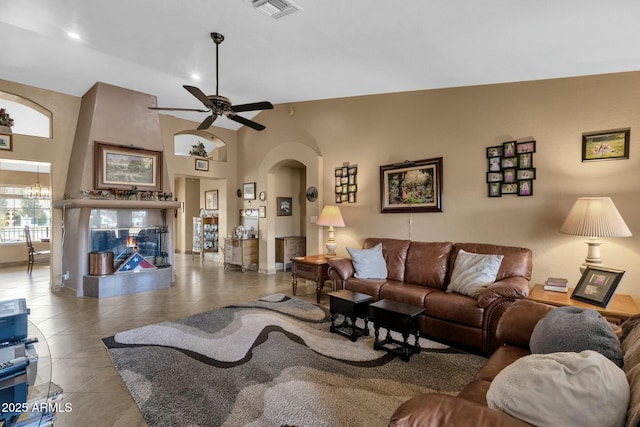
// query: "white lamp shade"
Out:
[330,216]
[595,217]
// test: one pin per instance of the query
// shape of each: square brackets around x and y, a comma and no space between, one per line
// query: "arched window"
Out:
[28,117]
[213,146]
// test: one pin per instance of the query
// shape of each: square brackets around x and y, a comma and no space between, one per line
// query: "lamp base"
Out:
[331,248]
[593,258]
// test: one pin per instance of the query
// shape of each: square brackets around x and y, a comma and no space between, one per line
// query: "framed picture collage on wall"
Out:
[511,168]
[346,185]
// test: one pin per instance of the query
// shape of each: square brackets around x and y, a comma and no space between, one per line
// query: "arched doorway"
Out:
[310,162]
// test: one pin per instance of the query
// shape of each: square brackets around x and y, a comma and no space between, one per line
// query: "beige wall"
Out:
[64,110]
[458,124]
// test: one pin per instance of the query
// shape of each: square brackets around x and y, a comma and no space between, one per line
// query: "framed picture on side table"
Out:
[597,285]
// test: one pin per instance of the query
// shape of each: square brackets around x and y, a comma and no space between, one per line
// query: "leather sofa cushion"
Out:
[405,292]
[394,252]
[454,308]
[503,356]
[365,286]
[426,263]
[476,391]
[516,261]
[518,322]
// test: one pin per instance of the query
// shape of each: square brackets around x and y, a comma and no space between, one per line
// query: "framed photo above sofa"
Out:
[605,145]
[510,168]
[411,186]
[346,186]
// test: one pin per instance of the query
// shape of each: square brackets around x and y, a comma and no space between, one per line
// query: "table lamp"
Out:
[330,216]
[594,217]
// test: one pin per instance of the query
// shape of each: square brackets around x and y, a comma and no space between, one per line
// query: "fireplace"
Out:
[96,219]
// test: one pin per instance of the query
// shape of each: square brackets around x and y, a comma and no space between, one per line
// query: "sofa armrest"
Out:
[518,321]
[436,410]
[511,288]
[340,269]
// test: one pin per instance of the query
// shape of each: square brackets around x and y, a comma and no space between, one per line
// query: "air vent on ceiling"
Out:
[275,8]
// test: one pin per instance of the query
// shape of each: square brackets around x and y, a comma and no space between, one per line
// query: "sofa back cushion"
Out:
[394,252]
[426,263]
[516,261]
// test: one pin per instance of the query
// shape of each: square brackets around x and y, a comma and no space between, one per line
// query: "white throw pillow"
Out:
[473,272]
[562,389]
[369,263]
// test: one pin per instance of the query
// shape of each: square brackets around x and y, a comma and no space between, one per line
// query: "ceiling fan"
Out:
[218,105]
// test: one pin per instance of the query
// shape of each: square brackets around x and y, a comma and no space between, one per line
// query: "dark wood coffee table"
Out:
[351,305]
[399,317]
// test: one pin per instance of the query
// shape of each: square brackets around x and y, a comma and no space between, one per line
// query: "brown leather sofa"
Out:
[469,408]
[418,273]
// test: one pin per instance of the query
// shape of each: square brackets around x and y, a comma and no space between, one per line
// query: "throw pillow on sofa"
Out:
[369,263]
[473,272]
[575,329]
[562,389]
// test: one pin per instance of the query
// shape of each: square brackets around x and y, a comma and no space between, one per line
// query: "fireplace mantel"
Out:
[114,204]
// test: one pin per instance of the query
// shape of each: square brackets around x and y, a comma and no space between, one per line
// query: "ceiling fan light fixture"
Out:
[276,9]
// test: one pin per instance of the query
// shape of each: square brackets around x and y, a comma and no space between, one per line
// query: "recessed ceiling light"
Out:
[195,76]
[73,35]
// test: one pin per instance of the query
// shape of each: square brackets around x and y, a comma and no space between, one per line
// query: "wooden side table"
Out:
[619,309]
[351,305]
[311,267]
[400,317]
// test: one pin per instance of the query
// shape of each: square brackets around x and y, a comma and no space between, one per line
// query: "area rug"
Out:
[273,362]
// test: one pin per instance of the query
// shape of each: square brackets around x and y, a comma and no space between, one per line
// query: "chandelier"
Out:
[37,191]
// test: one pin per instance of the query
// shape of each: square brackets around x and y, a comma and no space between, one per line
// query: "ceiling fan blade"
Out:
[246,122]
[199,94]
[178,109]
[206,123]
[264,105]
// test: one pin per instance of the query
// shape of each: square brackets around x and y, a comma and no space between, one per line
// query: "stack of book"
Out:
[555,284]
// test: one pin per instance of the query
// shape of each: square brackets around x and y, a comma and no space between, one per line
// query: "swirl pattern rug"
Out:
[273,362]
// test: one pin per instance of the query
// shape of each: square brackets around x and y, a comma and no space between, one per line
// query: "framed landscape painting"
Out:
[120,167]
[412,186]
[607,145]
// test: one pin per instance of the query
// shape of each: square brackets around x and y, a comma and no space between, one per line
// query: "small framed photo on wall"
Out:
[202,165]
[249,191]
[6,141]
[284,206]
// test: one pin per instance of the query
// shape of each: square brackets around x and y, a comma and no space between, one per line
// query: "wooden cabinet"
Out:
[241,252]
[289,247]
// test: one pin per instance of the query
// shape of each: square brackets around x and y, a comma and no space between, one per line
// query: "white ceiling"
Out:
[331,49]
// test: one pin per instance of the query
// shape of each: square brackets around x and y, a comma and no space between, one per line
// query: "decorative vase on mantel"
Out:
[5,129]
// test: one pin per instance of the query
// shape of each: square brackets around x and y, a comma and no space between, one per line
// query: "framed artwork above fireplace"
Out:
[121,167]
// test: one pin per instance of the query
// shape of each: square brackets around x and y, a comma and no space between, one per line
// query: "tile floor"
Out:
[73,328]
